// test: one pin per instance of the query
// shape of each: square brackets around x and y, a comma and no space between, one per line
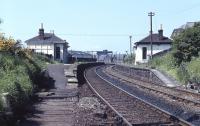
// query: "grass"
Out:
[166,63]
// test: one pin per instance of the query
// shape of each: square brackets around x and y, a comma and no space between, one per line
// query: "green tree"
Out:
[187,44]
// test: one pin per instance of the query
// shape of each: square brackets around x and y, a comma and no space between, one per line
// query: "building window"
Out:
[144,52]
[57,52]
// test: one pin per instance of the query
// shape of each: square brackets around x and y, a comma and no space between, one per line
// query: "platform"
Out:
[166,79]
[57,106]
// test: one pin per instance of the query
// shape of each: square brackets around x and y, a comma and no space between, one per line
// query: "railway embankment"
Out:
[21,75]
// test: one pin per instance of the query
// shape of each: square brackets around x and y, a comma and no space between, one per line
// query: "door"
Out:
[144,52]
[57,52]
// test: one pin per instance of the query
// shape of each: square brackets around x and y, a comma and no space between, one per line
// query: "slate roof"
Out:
[155,40]
[49,38]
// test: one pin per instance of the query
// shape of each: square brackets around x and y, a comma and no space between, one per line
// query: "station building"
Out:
[160,43]
[49,44]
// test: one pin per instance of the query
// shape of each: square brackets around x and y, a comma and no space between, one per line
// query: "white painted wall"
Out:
[156,48]
[45,49]
[48,49]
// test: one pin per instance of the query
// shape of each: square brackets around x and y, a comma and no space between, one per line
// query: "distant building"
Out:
[81,56]
[143,47]
[104,56]
[49,44]
[177,31]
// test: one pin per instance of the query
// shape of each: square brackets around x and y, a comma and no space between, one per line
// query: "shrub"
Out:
[19,70]
[193,68]
[187,44]
[18,74]
[6,43]
[166,61]
[182,72]
[12,80]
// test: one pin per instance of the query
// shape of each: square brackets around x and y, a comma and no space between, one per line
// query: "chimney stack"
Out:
[41,32]
[160,32]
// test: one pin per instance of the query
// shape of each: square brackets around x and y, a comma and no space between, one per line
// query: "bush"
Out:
[166,61]
[129,58]
[187,44]
[182,73]
[18,75]
[183,62]
[19,71]
[194,70]
[18,84]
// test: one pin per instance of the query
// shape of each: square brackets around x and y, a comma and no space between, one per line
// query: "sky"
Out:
[93,25]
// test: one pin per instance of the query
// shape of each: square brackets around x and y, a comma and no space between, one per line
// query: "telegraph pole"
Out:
[151,14]
[130,45]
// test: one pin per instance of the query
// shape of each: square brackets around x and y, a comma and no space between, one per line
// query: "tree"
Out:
[187,44]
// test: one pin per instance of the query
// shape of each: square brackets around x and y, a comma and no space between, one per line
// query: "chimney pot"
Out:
[160,32]
[41,32]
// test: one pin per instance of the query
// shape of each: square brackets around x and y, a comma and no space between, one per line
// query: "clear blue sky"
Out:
[77,20]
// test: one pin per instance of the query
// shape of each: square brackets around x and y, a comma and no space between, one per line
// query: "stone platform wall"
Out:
[140,74]
[82,67]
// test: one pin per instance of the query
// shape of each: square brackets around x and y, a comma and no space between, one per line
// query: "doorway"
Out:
[144,52]
[57,52]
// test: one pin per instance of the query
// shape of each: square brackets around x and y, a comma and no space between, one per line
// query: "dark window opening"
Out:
[144,52]
[57,52]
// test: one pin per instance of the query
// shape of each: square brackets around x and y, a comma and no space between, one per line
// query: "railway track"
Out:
[190,98]
[182,103]
[181,94]
[131,109]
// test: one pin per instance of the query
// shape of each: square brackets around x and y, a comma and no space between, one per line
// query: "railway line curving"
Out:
[131,108]
[182,93]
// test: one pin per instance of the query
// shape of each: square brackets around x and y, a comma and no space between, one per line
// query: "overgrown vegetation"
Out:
[20,73]
[129,58]
[187,45]
[183,61]
[165,63]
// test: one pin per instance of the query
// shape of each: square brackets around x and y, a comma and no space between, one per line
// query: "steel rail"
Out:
[106,102]
[165,93]
[175,89]
[181,121]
